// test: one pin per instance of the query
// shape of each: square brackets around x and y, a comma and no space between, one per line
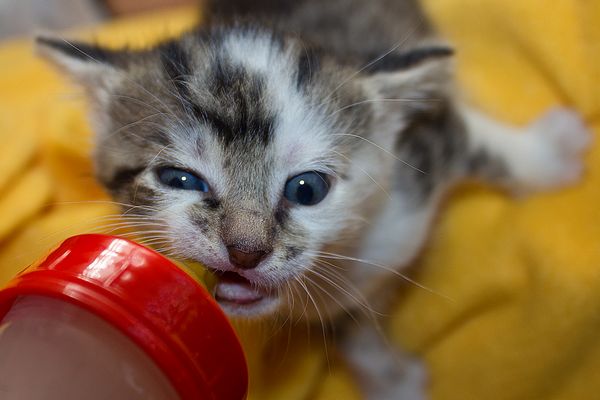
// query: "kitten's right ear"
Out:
[88,64]
[420,79]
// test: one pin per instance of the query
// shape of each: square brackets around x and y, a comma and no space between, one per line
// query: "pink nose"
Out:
[244,259]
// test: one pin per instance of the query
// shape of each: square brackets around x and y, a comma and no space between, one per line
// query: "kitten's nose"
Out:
[244,259]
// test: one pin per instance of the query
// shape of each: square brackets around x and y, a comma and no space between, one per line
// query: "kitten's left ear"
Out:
[89,65]
[417,79]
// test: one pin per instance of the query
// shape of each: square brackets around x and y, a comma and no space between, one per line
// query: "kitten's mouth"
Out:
[234,288]
[238,296]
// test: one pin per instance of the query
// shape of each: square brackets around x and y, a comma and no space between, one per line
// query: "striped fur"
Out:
[246,103]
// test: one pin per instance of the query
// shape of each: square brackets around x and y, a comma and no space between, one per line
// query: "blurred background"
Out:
[23,17]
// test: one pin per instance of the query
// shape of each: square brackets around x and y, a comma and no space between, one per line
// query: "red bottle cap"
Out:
[161,308]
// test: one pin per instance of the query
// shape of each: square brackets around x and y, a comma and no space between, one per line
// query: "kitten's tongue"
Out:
[234,288]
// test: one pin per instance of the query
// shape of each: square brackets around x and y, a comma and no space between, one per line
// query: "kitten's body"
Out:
[353,90]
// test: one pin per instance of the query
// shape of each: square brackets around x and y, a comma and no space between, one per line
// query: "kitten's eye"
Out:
[179,179]
[307,189]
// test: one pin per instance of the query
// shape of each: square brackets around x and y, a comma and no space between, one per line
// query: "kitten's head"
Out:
[244,150]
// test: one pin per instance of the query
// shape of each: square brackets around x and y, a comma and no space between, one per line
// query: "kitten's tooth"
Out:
[237,292]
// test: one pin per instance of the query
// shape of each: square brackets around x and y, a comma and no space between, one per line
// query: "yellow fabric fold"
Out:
[516,282]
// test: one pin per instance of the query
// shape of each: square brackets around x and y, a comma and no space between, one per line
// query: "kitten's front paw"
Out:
[404,379]
[415,382]
[555,143]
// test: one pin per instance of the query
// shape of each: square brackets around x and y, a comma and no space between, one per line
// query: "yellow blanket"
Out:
[523,275]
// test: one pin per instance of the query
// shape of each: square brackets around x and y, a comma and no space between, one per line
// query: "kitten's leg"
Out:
[384,371]
[381,370]
[542,155]
[396,236]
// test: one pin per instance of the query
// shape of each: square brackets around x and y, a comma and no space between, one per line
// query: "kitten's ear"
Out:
[418,79]
[88,64]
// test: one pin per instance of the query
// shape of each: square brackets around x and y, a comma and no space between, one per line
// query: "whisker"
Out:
[382,149]
[304,302]
[141,121]
[141,87]
[361,300]
[332,297]
[385,268]
[370,101]
[383,189]
[411,31]
[310,296]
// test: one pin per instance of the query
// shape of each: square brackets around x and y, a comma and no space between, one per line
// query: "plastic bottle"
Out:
[105,318]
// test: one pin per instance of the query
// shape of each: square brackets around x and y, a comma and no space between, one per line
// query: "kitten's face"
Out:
[244,152]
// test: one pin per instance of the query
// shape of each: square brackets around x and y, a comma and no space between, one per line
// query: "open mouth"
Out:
[237,295]
[234,288]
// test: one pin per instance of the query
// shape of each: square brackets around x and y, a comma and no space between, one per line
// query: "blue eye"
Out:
[307,189]
[180,179]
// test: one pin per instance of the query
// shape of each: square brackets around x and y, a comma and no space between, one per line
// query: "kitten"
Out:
[302,147]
